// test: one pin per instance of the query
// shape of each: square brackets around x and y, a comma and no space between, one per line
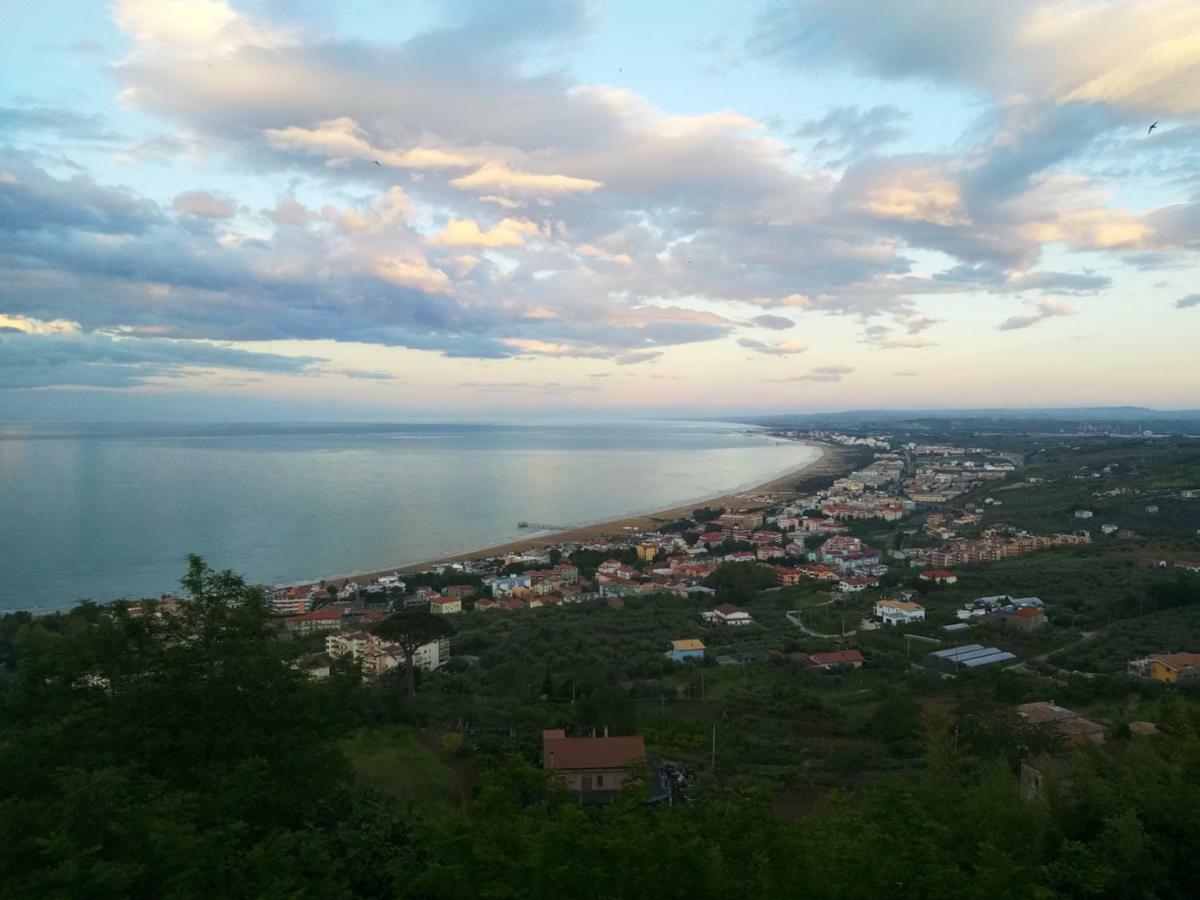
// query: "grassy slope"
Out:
[395,760]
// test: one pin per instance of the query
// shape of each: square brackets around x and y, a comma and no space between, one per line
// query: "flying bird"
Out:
[1151,128]
[377,162]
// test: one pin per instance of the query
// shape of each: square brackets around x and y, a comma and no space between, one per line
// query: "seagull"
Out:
[1151,128]
[377,162]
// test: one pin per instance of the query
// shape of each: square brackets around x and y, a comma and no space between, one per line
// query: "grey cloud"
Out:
[939,40]
[102,360]
[63,122]
[1188,301]
[852,131]
[776,323]
[367,374]
[31,200]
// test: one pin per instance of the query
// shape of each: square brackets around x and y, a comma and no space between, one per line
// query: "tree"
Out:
[412,629]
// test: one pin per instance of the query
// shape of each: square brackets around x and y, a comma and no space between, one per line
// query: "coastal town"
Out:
[910,605]
[901,542]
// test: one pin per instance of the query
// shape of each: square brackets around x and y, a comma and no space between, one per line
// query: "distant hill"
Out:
[1098,418]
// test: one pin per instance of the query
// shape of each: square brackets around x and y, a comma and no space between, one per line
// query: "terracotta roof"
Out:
[592,753]
[317,615]
[1028,612]
[727,609]
[835,658]
[689,644]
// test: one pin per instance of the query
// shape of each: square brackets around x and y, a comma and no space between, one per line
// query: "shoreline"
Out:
[831,461]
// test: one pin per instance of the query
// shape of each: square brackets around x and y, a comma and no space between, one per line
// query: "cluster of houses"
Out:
[374,655]
[994,544]
[1167,667]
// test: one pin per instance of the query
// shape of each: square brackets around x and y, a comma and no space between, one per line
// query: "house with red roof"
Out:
[595,769]
[836,659]
[445,606]
[327,619]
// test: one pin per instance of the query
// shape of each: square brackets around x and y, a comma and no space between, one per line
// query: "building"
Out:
[728,614]
[445,606]
[506,585]
[969,656]
[939,576]
[899,612]
[835,660]
[1167,667]
[647,552]
[595,769]
[691,648]
[327,619]
[376,656]
[1075,730]
[855,584]
[1026,618]
[1083,513]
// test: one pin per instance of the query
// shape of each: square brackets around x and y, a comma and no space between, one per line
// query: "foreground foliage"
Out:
[183,756]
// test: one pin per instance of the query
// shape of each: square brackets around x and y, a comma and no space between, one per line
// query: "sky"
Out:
[455,208]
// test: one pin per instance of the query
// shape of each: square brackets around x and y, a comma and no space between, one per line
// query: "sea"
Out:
[101,511]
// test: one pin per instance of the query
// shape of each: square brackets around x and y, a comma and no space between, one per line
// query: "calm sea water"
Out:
[104,511]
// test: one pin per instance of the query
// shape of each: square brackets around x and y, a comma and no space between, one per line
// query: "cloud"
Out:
[56,120]
[341,140]
[367,374]
[549,387]
[411,272]
[1046,309]
[467,233]
[42,359]
[499,177]
[289,211]
[633,358]
[821,373]
[204,205]
[1188,301]
[776,323]
[853,131]
[194,27]
[1058,52]
[778,348]
[905,343]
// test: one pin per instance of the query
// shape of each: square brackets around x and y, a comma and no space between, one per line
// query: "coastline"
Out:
[832,461]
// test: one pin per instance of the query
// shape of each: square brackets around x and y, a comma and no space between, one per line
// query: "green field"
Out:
[396,761]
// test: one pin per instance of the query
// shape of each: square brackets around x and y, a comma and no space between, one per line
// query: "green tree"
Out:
[412,629]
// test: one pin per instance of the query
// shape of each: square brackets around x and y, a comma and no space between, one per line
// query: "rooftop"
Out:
[590,752]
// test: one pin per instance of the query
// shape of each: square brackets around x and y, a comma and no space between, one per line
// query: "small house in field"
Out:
[690,648]
[899,612]
[595,769]
[836,659]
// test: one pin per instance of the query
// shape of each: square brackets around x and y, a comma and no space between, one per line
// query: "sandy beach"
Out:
[833,461]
